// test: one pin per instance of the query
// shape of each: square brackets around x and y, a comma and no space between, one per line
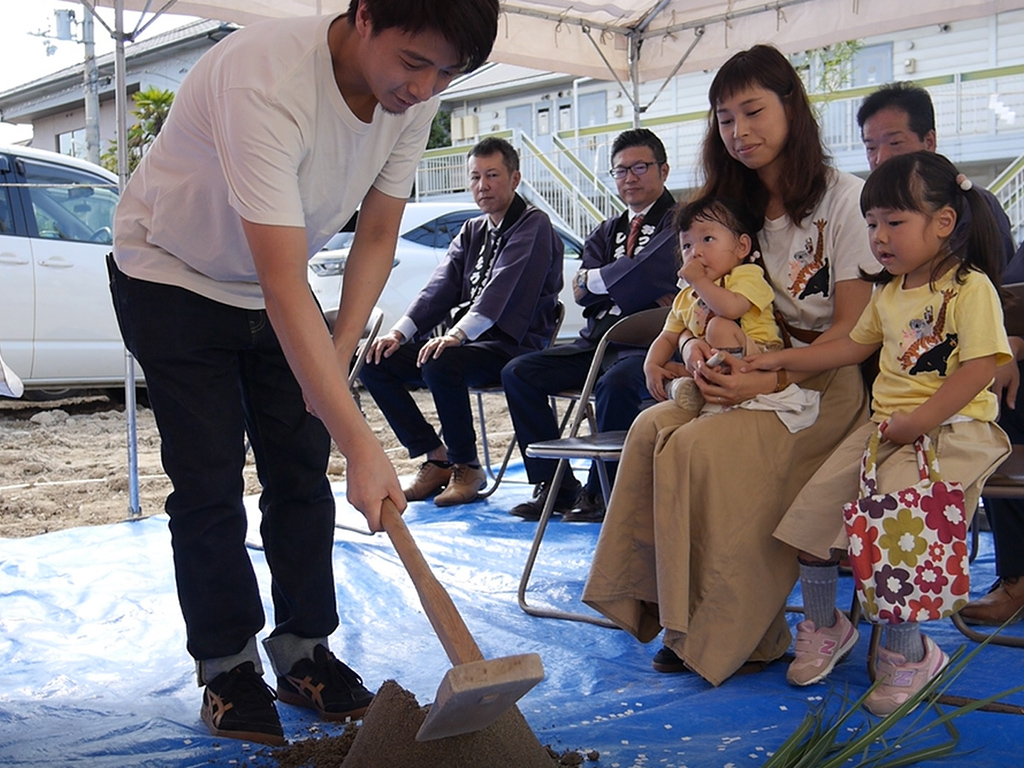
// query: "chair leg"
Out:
[483,436]
[975,537]
[873,644]
[501,471]
[542,524]
[496,478]
[980,637]
[602,475]
[564,421]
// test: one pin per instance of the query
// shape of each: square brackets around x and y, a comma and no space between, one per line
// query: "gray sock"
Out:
[285,650]
[207,669]
[819,584]
[905,639]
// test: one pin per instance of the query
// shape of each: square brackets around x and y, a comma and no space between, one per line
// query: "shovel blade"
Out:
[472,696]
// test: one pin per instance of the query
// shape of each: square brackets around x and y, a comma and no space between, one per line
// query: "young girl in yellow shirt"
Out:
[936,316]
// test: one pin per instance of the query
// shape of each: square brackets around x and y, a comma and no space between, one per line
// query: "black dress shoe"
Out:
[565,501]
[589,509]
[666,660]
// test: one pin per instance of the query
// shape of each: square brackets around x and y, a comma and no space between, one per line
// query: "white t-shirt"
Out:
[805,262]
[260,131]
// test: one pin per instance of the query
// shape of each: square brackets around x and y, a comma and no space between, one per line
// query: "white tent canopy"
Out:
[642,40]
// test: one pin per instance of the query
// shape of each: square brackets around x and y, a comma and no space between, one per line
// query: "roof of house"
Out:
[23,99]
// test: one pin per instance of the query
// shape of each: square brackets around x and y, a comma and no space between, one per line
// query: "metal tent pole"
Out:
[121,99]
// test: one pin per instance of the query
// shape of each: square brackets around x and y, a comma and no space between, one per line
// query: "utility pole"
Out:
[64,19]
[92,89]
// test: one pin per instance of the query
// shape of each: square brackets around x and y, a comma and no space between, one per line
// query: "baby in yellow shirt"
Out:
[725,303]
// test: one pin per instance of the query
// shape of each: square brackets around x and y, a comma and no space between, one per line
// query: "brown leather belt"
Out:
[789,332]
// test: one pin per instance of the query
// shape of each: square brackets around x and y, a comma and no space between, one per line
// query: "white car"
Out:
[57,325]
[426,231]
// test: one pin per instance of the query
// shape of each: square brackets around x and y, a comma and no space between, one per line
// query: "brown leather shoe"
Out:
[429,480]
[464,486]
[998,606]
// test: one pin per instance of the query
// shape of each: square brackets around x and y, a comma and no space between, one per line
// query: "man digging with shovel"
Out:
[277,135]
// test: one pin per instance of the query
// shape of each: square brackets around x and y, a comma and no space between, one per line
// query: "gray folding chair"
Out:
[369,335]
[637,330]
[479,392]
[1007,482]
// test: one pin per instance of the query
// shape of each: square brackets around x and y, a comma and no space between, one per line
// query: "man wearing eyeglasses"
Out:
[629,264]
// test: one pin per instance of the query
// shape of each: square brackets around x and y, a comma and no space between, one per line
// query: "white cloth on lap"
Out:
[796,408]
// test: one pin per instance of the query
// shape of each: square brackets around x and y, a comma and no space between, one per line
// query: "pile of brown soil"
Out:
[387,737]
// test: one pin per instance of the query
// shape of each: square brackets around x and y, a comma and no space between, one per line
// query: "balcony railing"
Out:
[1008,187]
[981,112]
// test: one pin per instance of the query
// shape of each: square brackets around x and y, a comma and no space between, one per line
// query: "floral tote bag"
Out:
[908,549]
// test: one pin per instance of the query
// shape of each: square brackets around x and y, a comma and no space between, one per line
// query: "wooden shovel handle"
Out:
[441,611]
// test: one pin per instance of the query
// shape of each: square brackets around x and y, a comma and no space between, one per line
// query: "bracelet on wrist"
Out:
[682,347]
[781,380]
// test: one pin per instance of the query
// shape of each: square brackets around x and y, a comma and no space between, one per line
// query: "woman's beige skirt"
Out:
[687,543]
[967,452]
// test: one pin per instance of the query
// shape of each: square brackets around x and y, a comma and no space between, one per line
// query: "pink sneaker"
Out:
[901,679]
[819,650]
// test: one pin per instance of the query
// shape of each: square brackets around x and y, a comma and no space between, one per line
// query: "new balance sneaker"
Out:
[901,679]
[238,704]
[819,650]
[325,684]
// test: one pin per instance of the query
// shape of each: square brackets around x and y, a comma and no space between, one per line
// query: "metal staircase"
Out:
[1008,187]
[557,182]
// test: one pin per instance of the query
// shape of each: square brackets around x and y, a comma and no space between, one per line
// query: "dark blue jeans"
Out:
[529,379]
[215,373]
[448,378]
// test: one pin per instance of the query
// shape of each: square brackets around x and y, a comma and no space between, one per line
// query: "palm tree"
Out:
[152,106]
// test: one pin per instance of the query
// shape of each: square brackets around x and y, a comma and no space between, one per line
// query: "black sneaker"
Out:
[238,704]
[326,685]
[564,501]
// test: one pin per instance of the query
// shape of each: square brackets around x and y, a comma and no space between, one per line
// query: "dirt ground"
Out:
[64,462]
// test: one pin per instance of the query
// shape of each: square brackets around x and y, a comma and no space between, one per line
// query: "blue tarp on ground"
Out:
[93,670]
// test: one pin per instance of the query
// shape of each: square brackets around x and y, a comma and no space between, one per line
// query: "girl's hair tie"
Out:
[963,182]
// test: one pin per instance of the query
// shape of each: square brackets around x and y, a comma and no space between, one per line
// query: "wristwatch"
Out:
[459,334]
[579,282]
